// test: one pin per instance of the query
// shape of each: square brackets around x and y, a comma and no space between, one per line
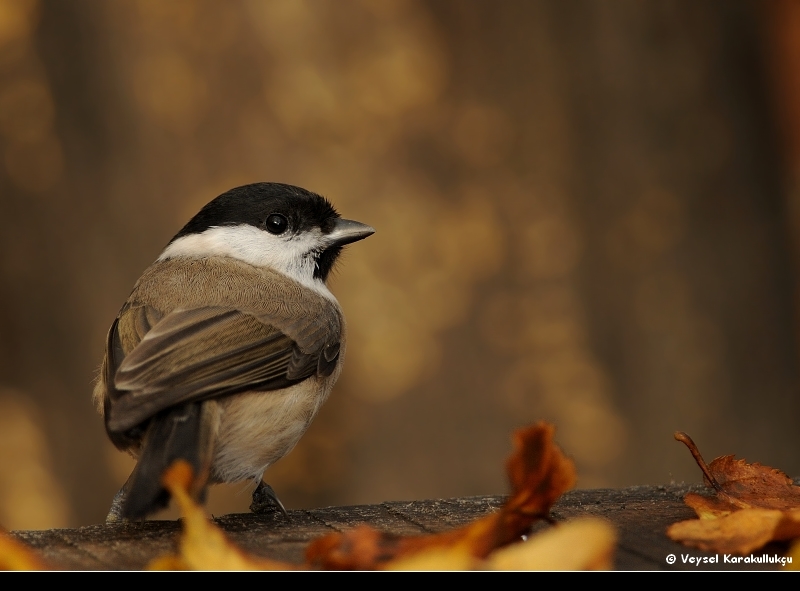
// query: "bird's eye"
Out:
[276,224]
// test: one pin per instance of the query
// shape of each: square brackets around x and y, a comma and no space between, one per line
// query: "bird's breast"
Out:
[256,429]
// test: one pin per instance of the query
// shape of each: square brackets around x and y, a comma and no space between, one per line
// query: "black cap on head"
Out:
[253,204]
[280,210]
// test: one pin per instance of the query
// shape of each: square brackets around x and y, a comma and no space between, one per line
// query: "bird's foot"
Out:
[266,501]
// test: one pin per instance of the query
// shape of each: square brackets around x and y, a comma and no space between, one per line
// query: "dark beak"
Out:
[347,231]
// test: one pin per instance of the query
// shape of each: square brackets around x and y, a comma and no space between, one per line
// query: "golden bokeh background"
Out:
[586,212]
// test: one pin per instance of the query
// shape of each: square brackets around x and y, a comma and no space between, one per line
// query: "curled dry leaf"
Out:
[202,545]
[739,485]
[752,505]
[539,474]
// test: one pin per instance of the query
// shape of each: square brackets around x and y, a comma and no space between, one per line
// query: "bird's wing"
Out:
[197,354]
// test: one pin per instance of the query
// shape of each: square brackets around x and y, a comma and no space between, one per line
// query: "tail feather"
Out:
[182,433]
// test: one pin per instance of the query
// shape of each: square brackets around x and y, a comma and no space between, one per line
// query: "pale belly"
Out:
[257,429]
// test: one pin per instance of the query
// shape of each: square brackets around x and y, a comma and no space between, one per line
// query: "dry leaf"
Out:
[793,557]
[539,474]
[202,545]
[437,559]
[740,532]
[752,505]
[582,544]
[15,555]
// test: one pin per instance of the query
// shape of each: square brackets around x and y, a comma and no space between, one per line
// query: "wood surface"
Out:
[641,515]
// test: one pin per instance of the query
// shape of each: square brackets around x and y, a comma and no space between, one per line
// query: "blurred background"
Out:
[586,212]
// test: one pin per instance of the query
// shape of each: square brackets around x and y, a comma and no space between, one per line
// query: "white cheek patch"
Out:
[287,254]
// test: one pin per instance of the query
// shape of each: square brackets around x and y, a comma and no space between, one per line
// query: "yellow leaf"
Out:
[202,545]
[583,544]
[15,555]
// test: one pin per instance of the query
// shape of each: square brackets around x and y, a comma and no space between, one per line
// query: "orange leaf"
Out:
[752,505]
[793,557]
[740,532]
[539,474]
[15,555]
[202,545]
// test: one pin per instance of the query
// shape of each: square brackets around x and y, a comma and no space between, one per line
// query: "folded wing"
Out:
[197,354]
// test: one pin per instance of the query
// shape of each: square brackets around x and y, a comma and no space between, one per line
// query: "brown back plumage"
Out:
[195,329]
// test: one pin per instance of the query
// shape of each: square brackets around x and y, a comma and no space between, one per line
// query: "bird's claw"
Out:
[266,501]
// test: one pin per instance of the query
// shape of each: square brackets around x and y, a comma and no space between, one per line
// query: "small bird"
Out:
[228,345]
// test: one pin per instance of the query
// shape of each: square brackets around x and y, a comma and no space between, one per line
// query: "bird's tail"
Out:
[180,433]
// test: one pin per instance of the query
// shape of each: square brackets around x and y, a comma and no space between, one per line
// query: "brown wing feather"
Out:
[193,355]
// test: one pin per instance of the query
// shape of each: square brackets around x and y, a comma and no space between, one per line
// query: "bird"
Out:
[228,344]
